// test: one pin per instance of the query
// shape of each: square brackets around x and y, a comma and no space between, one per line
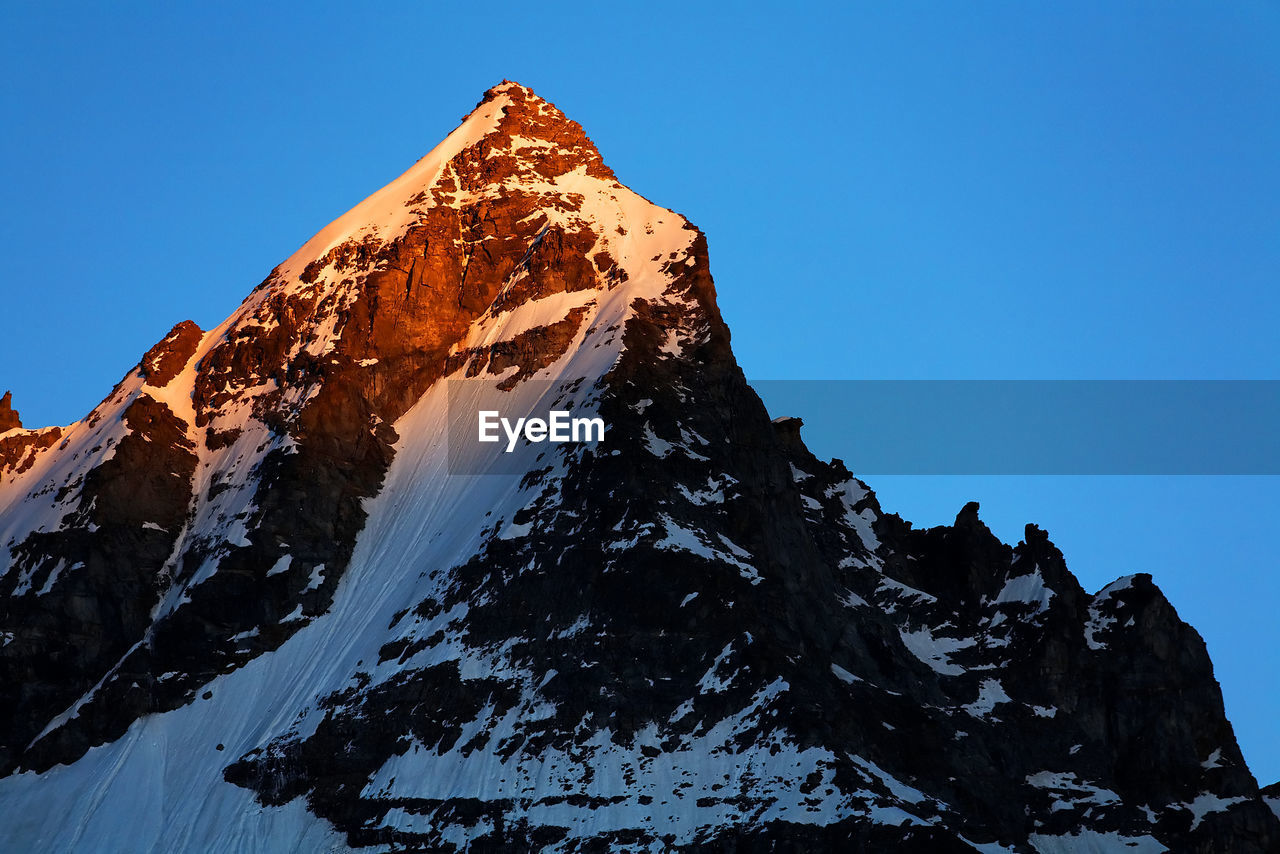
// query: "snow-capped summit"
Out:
[258,599]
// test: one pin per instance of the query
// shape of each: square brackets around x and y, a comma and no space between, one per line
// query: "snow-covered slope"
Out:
[269,597]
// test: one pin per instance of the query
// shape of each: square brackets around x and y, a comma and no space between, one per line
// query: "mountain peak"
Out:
[691,634]
[512,140]
[509,86]
[527,118]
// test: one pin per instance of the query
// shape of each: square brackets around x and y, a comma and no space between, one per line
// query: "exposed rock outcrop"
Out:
[8,415]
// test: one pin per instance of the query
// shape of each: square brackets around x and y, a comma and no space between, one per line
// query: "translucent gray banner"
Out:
[971,427]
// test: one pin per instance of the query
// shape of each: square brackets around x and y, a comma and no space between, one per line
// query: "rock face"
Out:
[252,602]
[19,448]
[8,415]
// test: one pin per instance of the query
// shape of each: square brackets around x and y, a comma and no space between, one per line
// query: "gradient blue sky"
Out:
[989,190]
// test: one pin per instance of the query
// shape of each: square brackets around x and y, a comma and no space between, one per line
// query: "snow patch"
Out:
[935,651]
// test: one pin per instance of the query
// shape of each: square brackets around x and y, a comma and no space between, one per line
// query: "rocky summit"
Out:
[257,601]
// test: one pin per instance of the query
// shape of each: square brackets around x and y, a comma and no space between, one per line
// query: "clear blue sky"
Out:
[915,190]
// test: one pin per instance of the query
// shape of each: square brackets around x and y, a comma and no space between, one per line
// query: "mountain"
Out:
[270,596]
